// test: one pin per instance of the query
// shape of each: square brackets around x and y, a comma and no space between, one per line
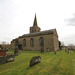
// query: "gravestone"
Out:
[3,53]
[2,59]
[16,51]
[34,60]
[68,50]
[54,52]
[10,57]
[65,50]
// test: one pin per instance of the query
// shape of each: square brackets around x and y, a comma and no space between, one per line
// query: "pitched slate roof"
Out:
[38,33]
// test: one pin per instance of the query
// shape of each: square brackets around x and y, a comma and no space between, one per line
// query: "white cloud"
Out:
[71,21]
[69,39]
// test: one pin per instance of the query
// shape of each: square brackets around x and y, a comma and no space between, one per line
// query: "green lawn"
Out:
[61,63]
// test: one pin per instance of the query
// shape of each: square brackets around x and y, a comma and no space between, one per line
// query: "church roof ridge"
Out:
[38,33]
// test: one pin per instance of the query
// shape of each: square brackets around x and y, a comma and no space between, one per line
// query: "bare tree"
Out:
[3,43]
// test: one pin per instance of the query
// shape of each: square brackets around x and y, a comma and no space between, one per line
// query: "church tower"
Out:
[35,27]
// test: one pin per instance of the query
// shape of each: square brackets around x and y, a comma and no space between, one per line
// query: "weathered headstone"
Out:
[54,52]
[34,60]
[10,57]
[3,53]
[68,50]
[2,60]
[16,51]
[65,50]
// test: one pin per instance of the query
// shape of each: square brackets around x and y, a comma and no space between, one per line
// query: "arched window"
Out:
[41,41]
[24,42]
[32,42]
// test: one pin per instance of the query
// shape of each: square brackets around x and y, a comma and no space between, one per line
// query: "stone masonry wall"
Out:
[48,42]
[56,43]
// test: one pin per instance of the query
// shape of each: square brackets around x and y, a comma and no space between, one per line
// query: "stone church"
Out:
[37,40]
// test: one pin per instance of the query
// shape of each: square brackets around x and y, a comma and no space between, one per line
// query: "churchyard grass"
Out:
[61,63]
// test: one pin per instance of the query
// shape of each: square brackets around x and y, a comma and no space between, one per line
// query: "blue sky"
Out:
[17,16]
